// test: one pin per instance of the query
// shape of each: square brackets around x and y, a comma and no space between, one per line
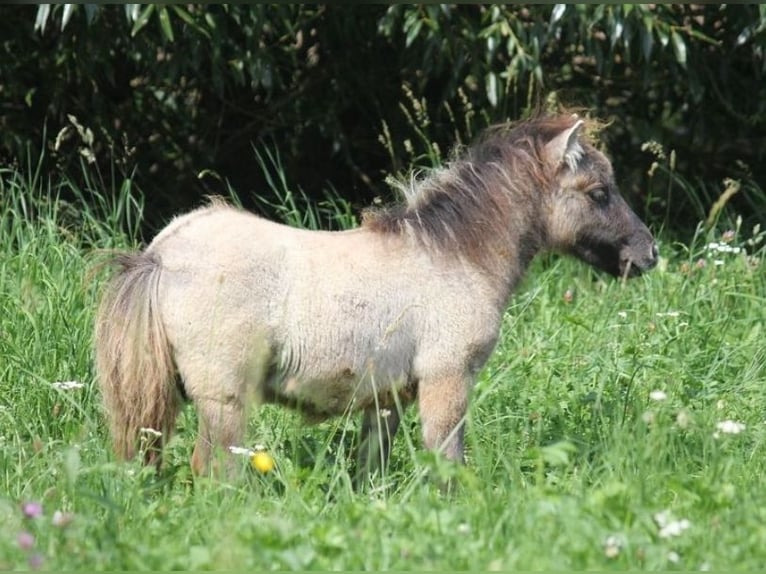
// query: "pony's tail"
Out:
[134,364]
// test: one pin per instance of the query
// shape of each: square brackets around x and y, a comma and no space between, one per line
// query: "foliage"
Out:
[605,433]
[179,90]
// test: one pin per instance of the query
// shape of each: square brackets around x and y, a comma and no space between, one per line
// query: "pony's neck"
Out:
[488,214]
[502,237]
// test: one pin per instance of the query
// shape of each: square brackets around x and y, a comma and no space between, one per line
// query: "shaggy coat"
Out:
[231,307]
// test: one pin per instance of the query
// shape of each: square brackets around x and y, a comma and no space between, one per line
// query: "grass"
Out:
[572,454]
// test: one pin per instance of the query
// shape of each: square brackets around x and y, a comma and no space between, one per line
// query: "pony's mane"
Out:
[455,207]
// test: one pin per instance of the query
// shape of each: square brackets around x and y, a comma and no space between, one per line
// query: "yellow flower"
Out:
[262,462]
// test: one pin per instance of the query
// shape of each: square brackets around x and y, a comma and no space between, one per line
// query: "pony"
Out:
[225,308]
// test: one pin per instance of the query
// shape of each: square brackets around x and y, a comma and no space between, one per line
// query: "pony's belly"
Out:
[327,397]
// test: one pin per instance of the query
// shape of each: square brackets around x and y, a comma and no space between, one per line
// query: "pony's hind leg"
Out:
[221,385]
[379,427]
[222,423]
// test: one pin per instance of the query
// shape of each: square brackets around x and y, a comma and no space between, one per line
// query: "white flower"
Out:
[683,418]
[385,413]
[662,517]
[669,527]
[730,427]
[150,431]
[622,314]
[61,519]
[723,248]
[718,262]
[67,385]
[240,450]
[674,528]
[673,557]
[658,395]
[668,314]
[612,546]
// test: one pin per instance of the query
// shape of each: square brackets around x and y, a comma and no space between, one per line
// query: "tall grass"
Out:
[593,435]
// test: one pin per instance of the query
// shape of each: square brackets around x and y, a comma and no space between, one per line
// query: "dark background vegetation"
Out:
[180,98]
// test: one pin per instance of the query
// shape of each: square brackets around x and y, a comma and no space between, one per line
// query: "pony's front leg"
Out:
[442,404]
[379,427]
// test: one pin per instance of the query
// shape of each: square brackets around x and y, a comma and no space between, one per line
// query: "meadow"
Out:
[618,425]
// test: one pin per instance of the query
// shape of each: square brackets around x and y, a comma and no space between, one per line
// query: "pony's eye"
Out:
[599,195]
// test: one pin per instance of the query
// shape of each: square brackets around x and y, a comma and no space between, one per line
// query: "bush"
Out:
[175,91]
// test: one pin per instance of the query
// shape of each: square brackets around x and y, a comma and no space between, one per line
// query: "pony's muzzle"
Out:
[638,259]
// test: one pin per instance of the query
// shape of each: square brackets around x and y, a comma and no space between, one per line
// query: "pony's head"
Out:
[585,213]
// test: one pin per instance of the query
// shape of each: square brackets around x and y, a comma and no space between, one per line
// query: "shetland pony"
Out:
[225,308]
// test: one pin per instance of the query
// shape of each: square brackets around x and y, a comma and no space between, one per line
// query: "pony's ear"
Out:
[566,147]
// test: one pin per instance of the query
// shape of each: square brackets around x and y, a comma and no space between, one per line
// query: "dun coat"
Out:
[225,307]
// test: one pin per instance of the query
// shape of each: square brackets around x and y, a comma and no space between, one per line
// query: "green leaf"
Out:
[558,12]
[43,11]
[557,454]
[68,10]
[91,10]
[131,11]
[143,18]
[679,47]
[490,83]
[412,33]
[662,34]
[28,97]
[647,42]
[186,17]
[167,30]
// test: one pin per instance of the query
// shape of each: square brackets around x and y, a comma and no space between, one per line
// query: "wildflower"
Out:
[612,546]
[242,451]
[683,419]
[67,385]
[35,561]
[718,262]
[720,404]
[730,427]
[670,528]
[32,509]
[658,395]
[61,519]
[622,314]
[700,264]
[385,413]
[463,528]
[662,517]
[673,557]
[150,432]
[262,462]
[668,314]
[723,248]
[568,296]
[728,236]
[25,540]
[674,528]
[648,417]
[654,147]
